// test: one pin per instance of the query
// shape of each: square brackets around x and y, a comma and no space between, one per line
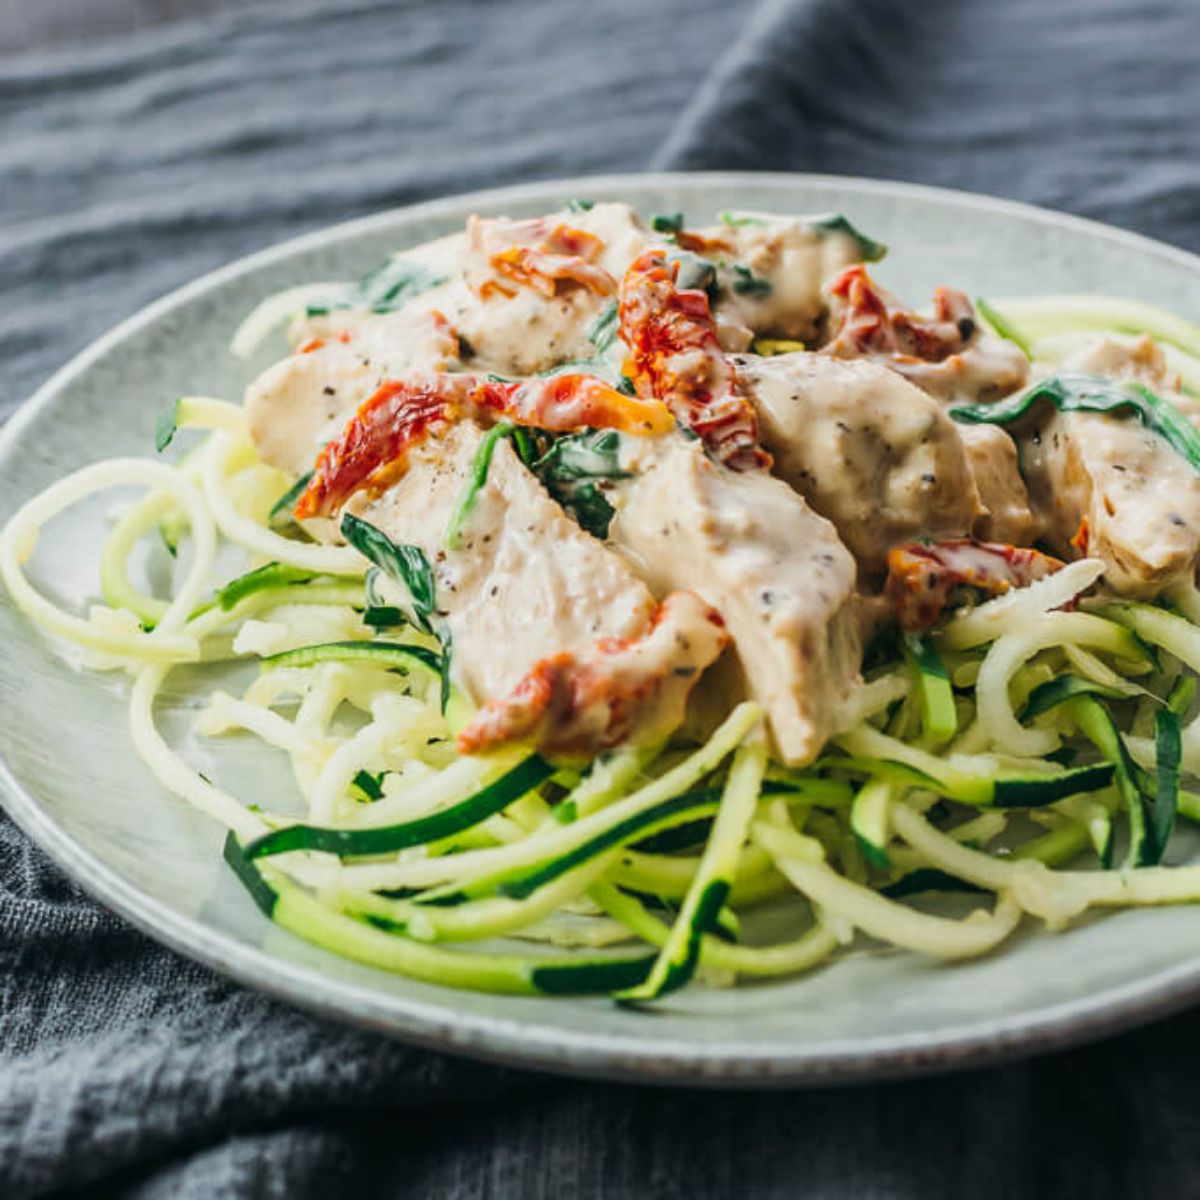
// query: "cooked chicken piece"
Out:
[948,355]
[535,289]
[299,404]
[1006,515]
[776,572]
[1140,359]
[771,271]
[632,690]
[524,295]
[539,612]
[1109,487]
[868,450]
[373,448]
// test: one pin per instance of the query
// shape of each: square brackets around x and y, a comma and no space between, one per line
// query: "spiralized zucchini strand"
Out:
[391,847]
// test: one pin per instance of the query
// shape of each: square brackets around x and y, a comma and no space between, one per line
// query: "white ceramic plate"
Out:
[71,781]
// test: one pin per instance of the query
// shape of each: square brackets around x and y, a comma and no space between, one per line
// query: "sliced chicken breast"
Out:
[772,567]
[294,407]
[868,450]
[528,596]
[1006,516]
[1109,487]
[771,271]
[949,355]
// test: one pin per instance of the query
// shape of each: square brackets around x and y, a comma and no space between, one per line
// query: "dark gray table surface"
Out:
[145,141]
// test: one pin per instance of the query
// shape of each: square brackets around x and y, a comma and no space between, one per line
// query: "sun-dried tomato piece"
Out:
[578,704]
[923,576]
[545,256]
[372,450]
[872,321]
[674,355]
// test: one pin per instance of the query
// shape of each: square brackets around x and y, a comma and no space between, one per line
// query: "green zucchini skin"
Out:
[1002,327]
[392,655]
[1151,804]
[698,804]
[939,720]
[869,822]
[1026,791]
[1058,691]
[351,843]
[680,970]
[1038,790]
[294,910]
[590,977]
[251,878]
[928,879]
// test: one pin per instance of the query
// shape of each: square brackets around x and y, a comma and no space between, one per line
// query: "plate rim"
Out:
[512,1042]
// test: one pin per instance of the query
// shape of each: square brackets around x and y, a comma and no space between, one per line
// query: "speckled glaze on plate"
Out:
[96,810]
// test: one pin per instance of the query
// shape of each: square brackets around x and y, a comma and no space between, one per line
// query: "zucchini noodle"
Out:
[642,870]
[277,309]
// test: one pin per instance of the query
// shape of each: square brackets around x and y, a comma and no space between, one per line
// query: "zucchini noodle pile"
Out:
[1026,752]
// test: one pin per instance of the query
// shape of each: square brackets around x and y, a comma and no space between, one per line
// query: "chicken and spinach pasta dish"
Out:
[606,579]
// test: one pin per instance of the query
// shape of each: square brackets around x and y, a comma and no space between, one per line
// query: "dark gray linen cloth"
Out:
[128,167]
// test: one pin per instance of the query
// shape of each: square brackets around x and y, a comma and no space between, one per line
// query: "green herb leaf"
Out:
[393,283]
[695,273]
[746,283]
[1080,392]
[869,250]
[281,510]
[447,641]
[605,328]
[580,206]
[408,565]
[385,288]
[570,468]
[670,223]
[165,425]
[525,441]
[480,465]
[400,561]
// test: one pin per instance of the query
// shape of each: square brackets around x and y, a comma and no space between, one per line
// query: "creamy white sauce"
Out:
[793,261]
[296,406]
[1141,499]
[868,450]
[867,444]
[525,581]
[773,568]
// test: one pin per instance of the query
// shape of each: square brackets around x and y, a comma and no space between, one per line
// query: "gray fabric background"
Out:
[129,166]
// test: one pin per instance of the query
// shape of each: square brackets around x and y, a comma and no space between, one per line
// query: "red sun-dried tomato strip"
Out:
[871,321]
[674,355]
[578,704]
[372,450]
[923,576]
[537,254]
